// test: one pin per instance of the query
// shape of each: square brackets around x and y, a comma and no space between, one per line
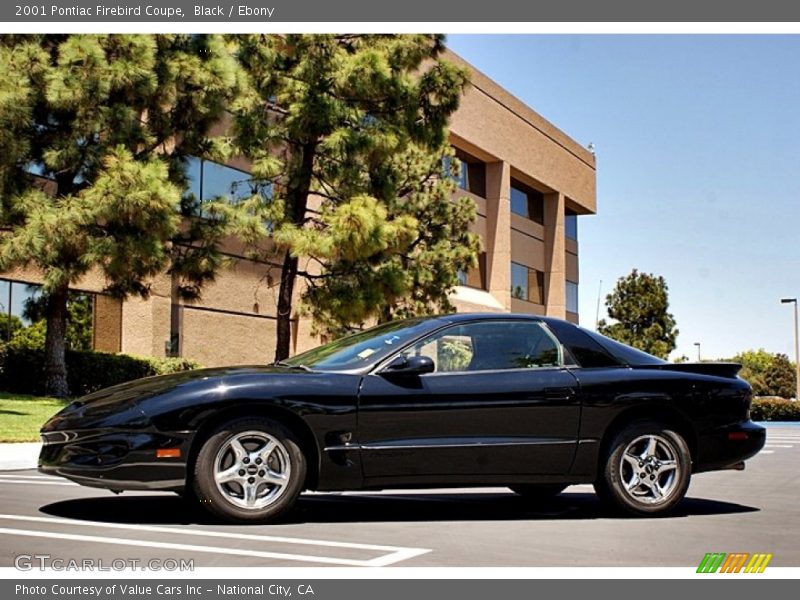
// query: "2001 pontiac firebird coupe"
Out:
[532,403]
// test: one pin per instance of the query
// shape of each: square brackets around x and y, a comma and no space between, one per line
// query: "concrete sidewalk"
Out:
[19,456]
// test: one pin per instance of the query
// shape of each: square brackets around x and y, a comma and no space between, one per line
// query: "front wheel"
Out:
[249,470]
[647,470]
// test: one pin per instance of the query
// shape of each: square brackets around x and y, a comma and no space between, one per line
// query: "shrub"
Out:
[774,409]
[22,369]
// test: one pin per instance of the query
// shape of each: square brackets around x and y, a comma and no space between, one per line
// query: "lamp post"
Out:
[796,347]
[698,351]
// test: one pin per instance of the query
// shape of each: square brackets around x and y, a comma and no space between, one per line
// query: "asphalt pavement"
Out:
[757,510]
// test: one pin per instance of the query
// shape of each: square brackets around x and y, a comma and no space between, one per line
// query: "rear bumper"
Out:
[726,447]
[116,459]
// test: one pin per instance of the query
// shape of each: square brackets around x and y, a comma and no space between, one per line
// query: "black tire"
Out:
[644,480]
[250,498]
[538,492]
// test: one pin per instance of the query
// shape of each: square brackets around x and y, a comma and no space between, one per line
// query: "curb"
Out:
[17,456]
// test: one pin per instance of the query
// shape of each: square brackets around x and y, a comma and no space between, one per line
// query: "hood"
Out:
[126,396]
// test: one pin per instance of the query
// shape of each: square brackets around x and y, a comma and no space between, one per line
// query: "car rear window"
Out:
[624,353]
[585,350]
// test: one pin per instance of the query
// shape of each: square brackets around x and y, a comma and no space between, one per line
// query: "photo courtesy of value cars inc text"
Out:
[172,590]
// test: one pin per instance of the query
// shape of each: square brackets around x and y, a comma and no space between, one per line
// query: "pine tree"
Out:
[639,305]
[94,131]
[351,130]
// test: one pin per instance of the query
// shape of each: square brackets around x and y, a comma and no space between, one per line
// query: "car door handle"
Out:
[559,393]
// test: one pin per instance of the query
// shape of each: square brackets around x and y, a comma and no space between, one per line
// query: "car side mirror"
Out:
[409,365]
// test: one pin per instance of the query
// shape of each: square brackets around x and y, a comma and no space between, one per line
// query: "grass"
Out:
[22,416]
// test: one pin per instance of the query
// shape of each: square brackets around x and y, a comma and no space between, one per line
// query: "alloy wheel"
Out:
[649,470]
[252,469]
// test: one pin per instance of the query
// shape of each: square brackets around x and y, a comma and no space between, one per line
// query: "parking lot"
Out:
[757,510]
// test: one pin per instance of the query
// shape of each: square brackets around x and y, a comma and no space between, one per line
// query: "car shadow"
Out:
[364,508]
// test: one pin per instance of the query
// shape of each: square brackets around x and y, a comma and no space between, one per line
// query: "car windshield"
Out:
[362,348]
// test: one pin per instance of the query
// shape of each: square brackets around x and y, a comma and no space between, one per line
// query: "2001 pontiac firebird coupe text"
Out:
[532,403]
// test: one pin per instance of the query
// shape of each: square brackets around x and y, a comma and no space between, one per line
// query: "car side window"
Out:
[489,346]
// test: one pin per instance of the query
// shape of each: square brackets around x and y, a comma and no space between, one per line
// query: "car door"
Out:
[500,403]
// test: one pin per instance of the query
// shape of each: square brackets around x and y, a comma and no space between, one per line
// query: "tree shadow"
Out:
[368,508]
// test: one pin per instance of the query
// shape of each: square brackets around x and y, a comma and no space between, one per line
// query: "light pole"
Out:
[698,351]
[796,347]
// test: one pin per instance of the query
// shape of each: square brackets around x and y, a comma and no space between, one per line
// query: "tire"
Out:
[646,471]
[231,483]
[538,492]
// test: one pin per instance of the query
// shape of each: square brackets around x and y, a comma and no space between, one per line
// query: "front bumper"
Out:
[116,459]
[727,447]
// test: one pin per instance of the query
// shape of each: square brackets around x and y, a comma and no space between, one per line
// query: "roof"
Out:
[467,316]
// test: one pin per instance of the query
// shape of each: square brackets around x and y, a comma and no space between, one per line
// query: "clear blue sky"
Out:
[698,168]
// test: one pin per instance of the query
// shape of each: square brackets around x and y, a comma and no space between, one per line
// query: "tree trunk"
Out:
[297,194]
[284,325]
[55,365]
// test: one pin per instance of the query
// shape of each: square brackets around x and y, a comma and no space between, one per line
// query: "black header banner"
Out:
[418,11]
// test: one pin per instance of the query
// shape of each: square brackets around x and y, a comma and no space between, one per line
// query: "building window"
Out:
[527,283]
[572,297]
[208,180]
[472,174]
[476,276]
[527,202]
[22,315]
[571,225]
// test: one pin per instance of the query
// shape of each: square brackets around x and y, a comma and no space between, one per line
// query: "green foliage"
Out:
[357,123]
[780,377]
[454,355]
[22,369]
[774,409]
[9,325]
[768,374]
[79,323]
[106,121]
[639,308]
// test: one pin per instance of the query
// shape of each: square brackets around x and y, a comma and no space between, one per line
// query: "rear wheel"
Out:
[647,470]
[538,492]
[249,469]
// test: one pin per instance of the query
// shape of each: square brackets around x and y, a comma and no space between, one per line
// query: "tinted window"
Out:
[208,180]
[527,284]
[571,225]
[586,351]
[486,346]
[624,353]
[472,176]
[572,296]
[474,277]
[527,202]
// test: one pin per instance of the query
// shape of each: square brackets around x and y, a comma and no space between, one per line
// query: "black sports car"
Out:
[532,403]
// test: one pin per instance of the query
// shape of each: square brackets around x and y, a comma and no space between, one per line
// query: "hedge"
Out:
[775,409]
[22,369]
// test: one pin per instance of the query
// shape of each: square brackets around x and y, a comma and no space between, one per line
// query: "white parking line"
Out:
[393,554]
[18,475]
[767,452]
[36,482]
[778,446]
